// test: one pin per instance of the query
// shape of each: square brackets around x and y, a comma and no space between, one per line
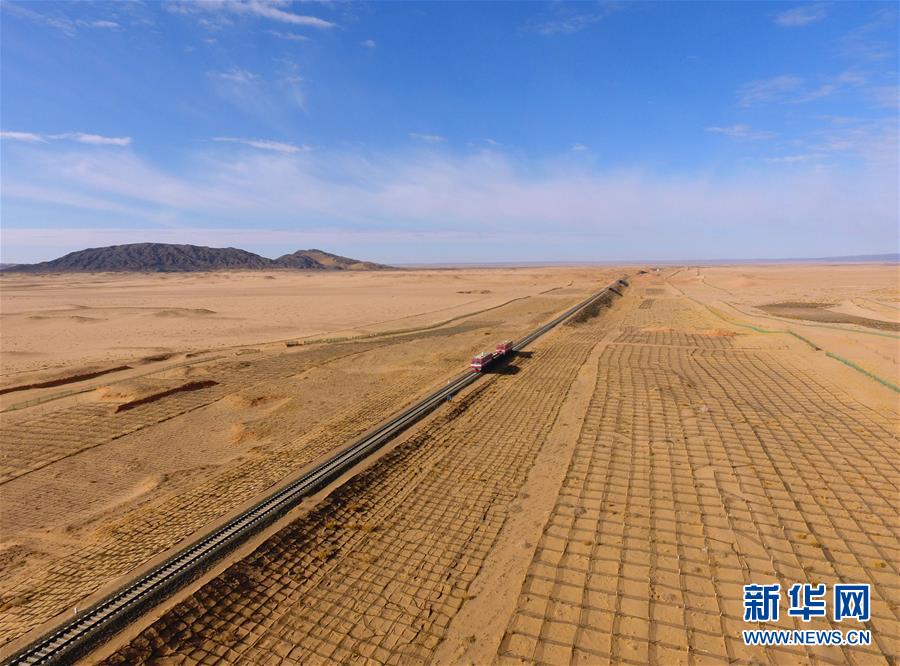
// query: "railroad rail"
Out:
[82,633]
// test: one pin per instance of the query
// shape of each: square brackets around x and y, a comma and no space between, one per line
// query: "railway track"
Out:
[79,635]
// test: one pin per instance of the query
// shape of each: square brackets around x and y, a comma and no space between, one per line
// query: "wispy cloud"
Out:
[566,25]
[836,84]
[94,139]
[290,36]
[886,96]
[235,75]
[269,99]
[787,89]
[215,22]
[789,159]
[368,43]
[265,144]
[72,198]
[801,16]
[566,19]
[872,141]
[767,90]
[27,137]
[579,148]
[484,193]
[741,131]
[56,20]
[272,10]
[268,9]
[427,138]
[80,137]
[842,139]
[291,85]
[874,40]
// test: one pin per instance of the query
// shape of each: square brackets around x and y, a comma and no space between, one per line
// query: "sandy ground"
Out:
[867,295]
[603,501]
[100,474]
[56,324]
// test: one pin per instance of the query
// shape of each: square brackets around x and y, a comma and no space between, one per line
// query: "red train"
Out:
[484,359]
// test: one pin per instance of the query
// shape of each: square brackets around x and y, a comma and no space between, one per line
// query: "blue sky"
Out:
[408,132]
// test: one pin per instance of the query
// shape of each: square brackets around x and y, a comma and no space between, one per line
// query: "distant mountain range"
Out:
[165,257]
[889,258]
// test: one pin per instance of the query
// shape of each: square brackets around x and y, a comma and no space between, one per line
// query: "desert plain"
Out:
[601,500]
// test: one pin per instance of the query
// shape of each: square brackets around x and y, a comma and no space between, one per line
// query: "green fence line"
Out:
[853,365]
[806,340]
[809,322]
[816,347]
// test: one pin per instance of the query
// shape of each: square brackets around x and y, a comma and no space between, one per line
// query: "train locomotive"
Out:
[484,359]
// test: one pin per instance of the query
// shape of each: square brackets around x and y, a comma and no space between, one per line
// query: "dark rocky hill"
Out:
[165,257]
[322,259]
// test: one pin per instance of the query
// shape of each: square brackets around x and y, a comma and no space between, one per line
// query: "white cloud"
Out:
[217,22]
[368,43]
[836,84]
[269,9]
[801,16]
[269,100]
[741,131]
[94,139]
[768,90]
[112,25]
[872,41]
[80,137]
[427,138]
[873,141]
[56,20]
[290,36]
[886,96]
[568,25]
[789,159]
[28,137]
[272,11]
[293,91]
[235,75]
[60,23]
[72,199]
[579,147]
[824,90]
[566,19]
[786,89]
[557,206]
[265,144]
[123,178]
